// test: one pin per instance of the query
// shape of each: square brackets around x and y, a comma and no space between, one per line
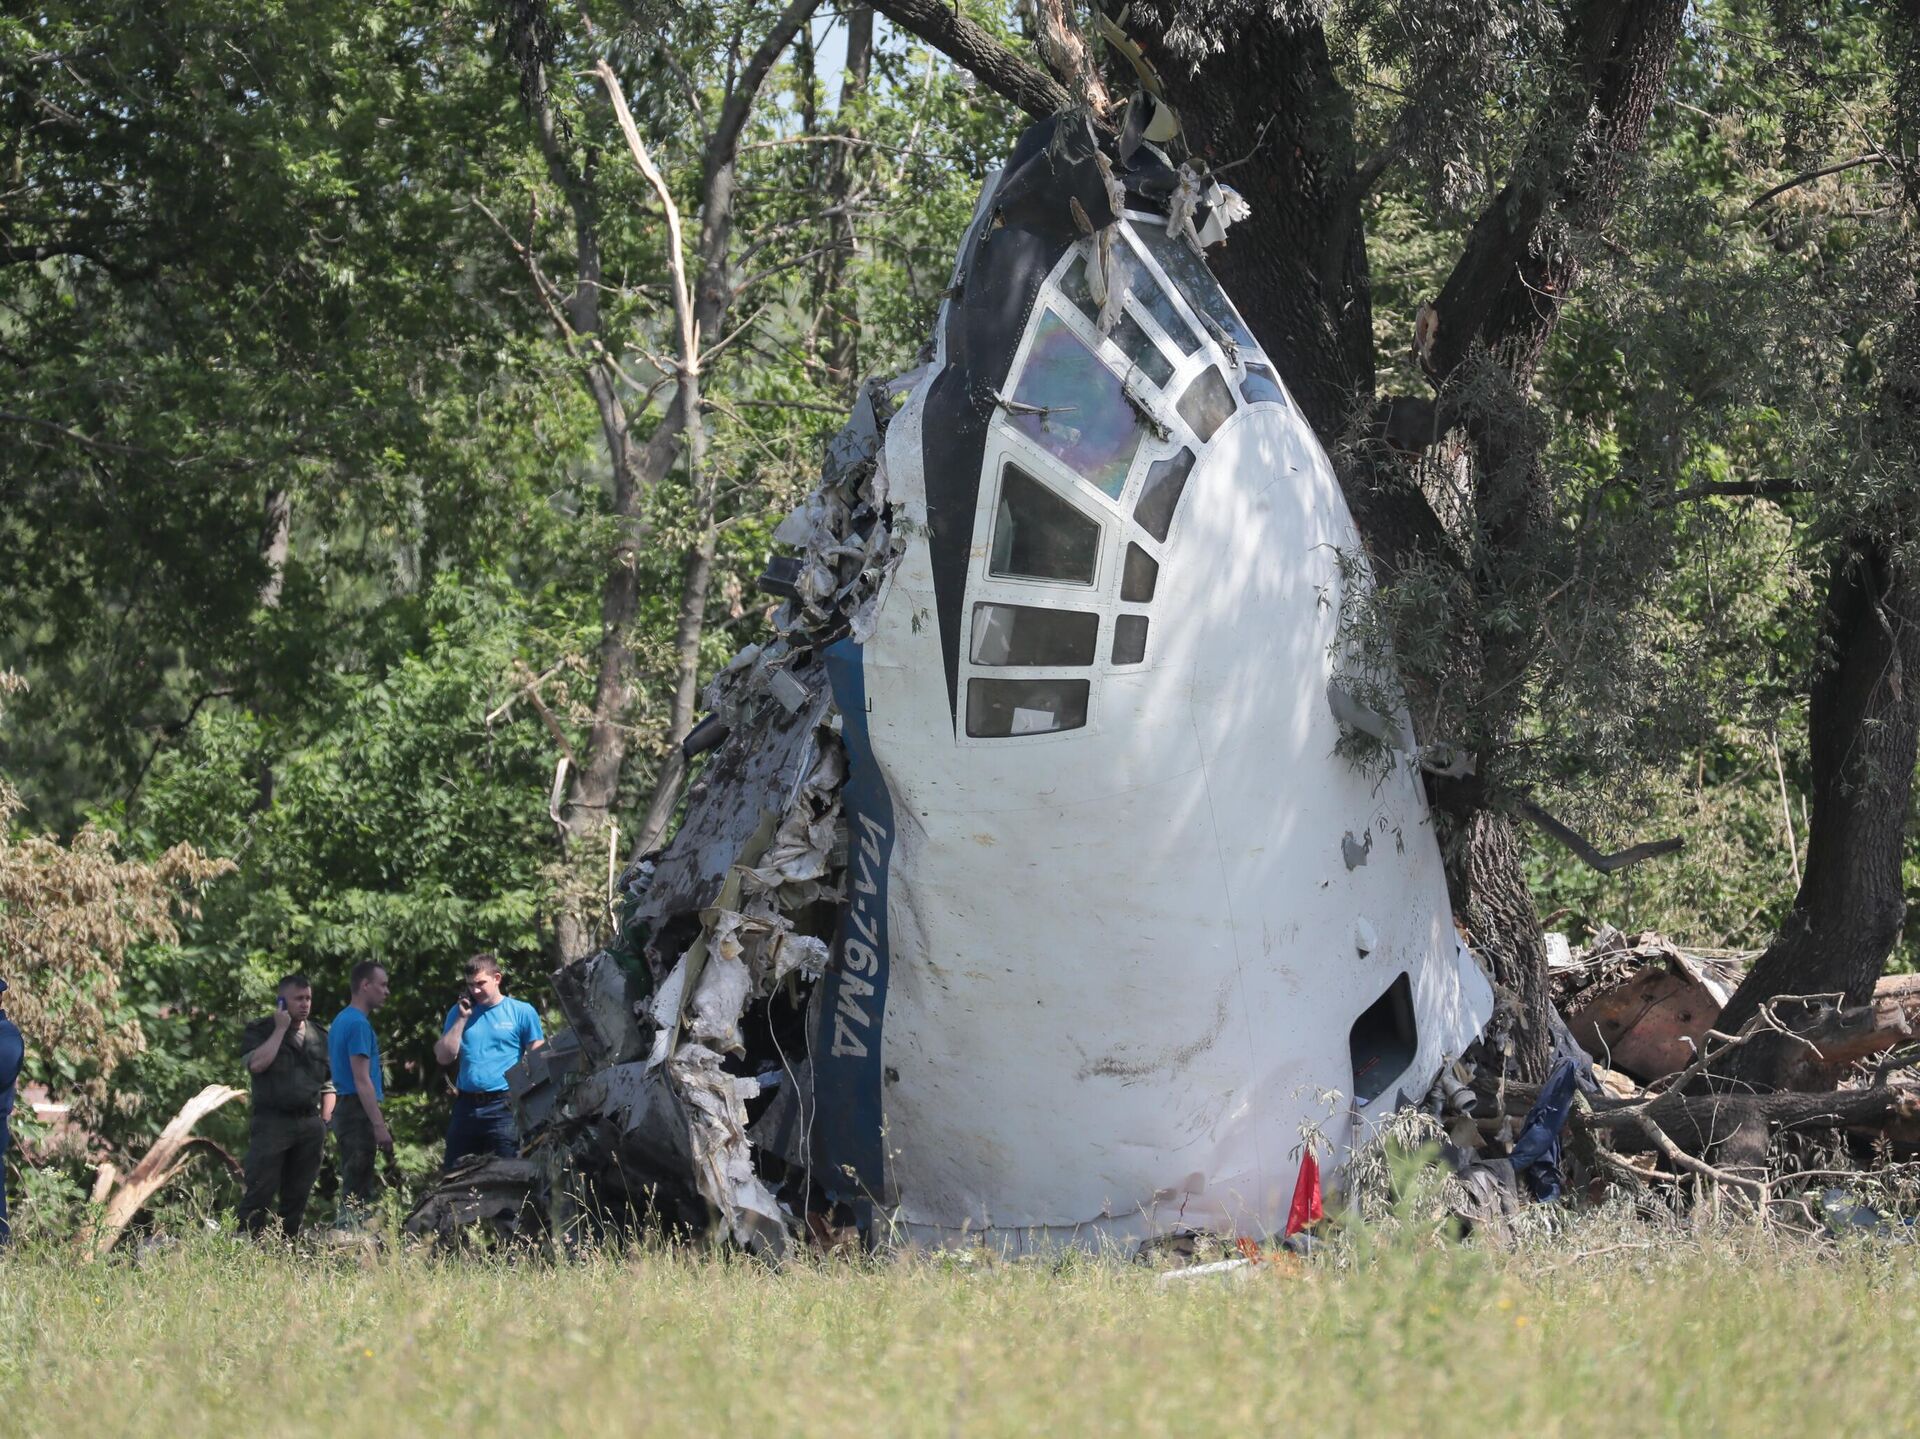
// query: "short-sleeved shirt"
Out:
[495,1039]
[300,1073]
[351,1033]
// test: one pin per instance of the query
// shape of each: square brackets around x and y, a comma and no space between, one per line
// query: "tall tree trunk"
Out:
[696,582]
[1489,884]
[1270,105]
[1863,717]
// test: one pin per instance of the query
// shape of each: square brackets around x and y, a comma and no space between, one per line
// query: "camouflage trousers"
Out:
[360,1182]
[283,1160]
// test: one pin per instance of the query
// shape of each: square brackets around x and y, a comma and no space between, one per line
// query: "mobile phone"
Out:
[280,1001]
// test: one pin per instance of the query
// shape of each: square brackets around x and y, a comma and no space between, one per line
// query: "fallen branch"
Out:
[168,1155]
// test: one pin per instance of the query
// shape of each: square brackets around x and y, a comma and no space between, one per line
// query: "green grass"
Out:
[1609,1327]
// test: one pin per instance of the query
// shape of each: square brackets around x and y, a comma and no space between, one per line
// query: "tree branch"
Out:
[1872,157]
[1749,489]
[1583,850]
[972,48]
[689,357]
[724,143]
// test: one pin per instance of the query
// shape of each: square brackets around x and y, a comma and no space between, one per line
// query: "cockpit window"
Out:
[1027,635]
[1071,404]
[1129,639]
[1207,403]
[1128,335]
[996,708]
[1160,495]
[1187,270]
[1135,279]
[1140,575]
[1260,386]
[1037,535]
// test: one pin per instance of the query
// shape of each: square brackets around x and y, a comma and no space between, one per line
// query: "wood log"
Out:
[1844,1037]
[168,1155]
[1736,1128]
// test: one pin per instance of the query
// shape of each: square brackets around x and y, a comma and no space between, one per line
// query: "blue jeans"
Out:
[6,1137]
[482,1124]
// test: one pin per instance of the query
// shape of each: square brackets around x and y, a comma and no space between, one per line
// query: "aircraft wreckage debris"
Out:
[1022,894]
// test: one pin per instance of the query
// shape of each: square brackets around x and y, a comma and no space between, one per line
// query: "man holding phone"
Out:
[292,1105]
[486,1034]
[353,1053]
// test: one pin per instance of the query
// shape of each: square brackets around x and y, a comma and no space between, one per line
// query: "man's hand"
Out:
[282,1017]
[465,1005]
[382,1136]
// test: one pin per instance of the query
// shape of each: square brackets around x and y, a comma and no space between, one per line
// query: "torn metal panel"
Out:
[767,757]
[598,995]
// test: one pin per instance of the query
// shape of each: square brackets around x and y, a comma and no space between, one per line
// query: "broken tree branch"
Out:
[162,1162]
[689,357]
[1587,853]
[1872,157]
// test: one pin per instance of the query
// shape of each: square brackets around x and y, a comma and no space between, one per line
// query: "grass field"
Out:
[1609,1327]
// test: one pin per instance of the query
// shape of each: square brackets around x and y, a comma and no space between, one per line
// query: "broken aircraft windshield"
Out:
[1187,270]
[1072,405]
[1133,279]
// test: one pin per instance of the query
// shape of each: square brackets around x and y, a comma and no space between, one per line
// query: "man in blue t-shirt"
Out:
[353,1057]
[13,1054]
[486,1034]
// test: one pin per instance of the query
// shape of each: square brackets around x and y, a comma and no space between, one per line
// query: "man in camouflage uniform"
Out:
[293,1096]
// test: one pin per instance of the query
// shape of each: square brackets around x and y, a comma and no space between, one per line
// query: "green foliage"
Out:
[395,825]
[267,259]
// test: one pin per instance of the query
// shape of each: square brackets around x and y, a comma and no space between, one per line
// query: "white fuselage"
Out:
[1127,957]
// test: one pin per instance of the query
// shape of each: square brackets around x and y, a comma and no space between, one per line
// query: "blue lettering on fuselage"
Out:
[850,1158]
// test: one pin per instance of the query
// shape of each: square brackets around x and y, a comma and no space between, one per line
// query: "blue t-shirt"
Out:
[350,1034]
[495,1039]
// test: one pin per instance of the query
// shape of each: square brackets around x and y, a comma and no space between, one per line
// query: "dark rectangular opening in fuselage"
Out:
[1383,1041]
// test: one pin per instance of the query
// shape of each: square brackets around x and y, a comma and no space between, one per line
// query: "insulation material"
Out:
[722,1156]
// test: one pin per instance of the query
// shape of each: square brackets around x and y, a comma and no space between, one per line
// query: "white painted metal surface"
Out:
[1126,958]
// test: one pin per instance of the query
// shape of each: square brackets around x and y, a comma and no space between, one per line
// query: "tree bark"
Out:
[942,26]
[1490,894]
[1863,717]
[696,581]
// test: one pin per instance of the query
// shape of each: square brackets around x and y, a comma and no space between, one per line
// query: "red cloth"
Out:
[1306,1196]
